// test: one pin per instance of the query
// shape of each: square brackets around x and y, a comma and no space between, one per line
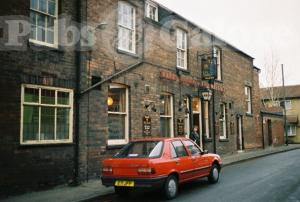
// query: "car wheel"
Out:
[214,174]
[122,191]
[171,187]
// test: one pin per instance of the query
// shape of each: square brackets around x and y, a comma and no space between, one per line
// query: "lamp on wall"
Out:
[110,101]
[206,94]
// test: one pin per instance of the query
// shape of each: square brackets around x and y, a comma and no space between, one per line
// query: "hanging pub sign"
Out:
[180,127]
[209,68]
[146,125]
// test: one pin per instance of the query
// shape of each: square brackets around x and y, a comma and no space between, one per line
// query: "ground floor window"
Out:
[206,119]
[46,115]
[166,115]
[223,121]
[118,120]
[291,130]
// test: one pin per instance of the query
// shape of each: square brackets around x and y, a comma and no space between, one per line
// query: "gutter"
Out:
[111,77]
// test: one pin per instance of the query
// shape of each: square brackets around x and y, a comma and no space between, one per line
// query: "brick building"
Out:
[63,111]
[38,82]
[152,62]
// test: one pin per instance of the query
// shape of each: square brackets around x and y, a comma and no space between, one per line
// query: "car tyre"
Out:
[171,187]
[214,174]
[121,191]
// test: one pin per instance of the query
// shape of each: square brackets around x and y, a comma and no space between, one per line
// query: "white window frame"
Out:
[206,119]
[42,43]
[171,116]
[130,29]
[39,104]
[290,131]
[217,55]
[187,126]
[288,104]
[126,113]
[181,48]
[223,119]
[248,94]
[148,6]
[199,113]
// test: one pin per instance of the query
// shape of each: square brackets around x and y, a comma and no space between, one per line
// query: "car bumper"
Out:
[138,182]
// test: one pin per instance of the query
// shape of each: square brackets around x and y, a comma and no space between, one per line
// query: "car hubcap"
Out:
[172,187]
[215,173]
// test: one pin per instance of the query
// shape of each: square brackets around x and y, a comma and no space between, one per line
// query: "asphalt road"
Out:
[272,178]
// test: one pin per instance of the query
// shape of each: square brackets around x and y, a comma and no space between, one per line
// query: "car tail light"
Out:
[146,171]
[107,170]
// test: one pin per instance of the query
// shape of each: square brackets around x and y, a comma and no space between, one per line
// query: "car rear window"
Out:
[142,149]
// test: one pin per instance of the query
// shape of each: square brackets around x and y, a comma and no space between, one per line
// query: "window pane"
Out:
[48,96]
[165,127]
[194,150]
[51,7]
[196,105]
[118,98]
[31,95]
[47,123]
[43,5]
[165,105]
[116,127]
[63,98]
[62,124]
[173,152]
[34,4]
[30,123]
[179,148]
[151,149]
[50,37]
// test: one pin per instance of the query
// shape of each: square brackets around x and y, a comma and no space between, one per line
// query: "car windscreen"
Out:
[141,149]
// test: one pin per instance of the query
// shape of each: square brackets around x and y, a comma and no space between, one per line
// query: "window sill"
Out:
[219,81]
[37,46]
[181,71]
[223,140]
[46,144]
[127,53]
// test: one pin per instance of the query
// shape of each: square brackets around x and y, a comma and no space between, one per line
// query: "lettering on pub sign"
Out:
[146,125]
[180,127]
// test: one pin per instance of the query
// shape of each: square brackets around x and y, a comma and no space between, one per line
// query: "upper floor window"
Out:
[217,56]
[248,99]
[151,11]
[46,115]
[288,104]
[126,24]
[181,49]
[43,18]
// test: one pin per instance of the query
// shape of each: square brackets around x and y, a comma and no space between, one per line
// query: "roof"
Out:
[290,92]
[208,32]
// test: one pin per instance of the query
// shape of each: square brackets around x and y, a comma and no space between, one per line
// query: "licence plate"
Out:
[122,183]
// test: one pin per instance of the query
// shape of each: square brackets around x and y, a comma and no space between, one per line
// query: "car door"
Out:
[200,162]
[182,159]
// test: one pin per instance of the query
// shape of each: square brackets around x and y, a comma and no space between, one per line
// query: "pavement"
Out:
[94,188]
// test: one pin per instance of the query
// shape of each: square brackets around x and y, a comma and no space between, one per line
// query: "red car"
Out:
[161,162]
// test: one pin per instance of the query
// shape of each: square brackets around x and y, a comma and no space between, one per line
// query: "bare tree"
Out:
[271,79]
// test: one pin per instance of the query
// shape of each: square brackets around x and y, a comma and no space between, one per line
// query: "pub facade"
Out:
[157,74]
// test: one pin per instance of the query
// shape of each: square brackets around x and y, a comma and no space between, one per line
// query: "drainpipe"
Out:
[77,99]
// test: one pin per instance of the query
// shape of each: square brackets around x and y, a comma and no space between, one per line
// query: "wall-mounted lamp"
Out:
[206,94]
[110,101]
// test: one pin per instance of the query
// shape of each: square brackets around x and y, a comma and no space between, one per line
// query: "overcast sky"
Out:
[257,27]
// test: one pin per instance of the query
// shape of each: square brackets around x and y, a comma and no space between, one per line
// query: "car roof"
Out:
[157,139]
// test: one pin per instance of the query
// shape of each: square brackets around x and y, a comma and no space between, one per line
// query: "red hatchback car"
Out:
[160,162]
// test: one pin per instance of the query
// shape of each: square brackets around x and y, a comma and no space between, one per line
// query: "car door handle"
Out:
[177,162]
[193,159]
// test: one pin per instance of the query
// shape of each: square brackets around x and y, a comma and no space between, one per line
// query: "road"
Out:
[272,178]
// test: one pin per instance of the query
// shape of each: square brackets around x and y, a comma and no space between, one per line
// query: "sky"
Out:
[257,27]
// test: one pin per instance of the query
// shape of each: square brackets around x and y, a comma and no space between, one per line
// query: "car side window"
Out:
[193,149]
[172,151]
[179,148]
